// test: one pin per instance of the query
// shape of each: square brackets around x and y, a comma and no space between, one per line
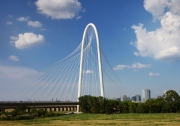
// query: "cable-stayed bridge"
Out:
[86,71]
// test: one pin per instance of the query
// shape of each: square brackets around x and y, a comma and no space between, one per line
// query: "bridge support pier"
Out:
[28,109]
[77,108]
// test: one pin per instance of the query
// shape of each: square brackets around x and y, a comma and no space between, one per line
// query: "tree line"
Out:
[168,103]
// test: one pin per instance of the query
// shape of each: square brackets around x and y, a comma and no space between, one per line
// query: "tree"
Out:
[91,104]
[84,104]
[41,112]
[132,107]
[125,106]
[155,105]
[172,100]
[33,110]
[101,106]
[141,108]
[111,106]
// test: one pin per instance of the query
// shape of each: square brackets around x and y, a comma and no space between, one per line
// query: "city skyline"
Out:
[139,38]
[146,94]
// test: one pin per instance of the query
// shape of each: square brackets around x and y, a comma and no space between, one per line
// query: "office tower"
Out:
[146,94]
[138,98]
[133,99]
[125,98]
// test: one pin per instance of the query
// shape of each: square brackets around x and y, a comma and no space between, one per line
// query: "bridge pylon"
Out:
[82,58]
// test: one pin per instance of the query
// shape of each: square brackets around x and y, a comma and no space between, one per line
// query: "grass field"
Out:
[101,120]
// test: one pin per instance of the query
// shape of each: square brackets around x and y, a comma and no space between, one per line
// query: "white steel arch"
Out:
[99,60]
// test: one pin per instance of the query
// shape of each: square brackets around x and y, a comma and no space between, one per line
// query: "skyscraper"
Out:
[138,98]
[125,98]
[146,94]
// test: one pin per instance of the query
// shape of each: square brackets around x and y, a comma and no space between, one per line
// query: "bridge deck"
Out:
[36,104]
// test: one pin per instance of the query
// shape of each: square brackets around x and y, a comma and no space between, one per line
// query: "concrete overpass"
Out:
[47,105]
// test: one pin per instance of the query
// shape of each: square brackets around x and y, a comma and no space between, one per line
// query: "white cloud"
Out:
[133,66]
[174,6]
[139,65]
[162,43]
[9,23]
[14,58]
[30,23]
[120,67]
[34,23]
[79,17]
[154,74]
[59,9]
[155,7]
[158,7]
[27,40]
[88,72]
[22,19]
[14,38]
[43,29]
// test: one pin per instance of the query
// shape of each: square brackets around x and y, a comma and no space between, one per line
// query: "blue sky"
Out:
[139,38]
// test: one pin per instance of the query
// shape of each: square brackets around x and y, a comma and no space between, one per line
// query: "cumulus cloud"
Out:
[154,74]
[59,9]
[162,43]
[120,67]
[22,19]
[34,23]
[9,23]
[27,40]
[88,72]
[14,58]
[174,6]
[157,8]
[133,66]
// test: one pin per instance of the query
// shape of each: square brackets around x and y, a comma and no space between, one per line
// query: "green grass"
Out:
[130,116]
[35,121]
[103,119]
